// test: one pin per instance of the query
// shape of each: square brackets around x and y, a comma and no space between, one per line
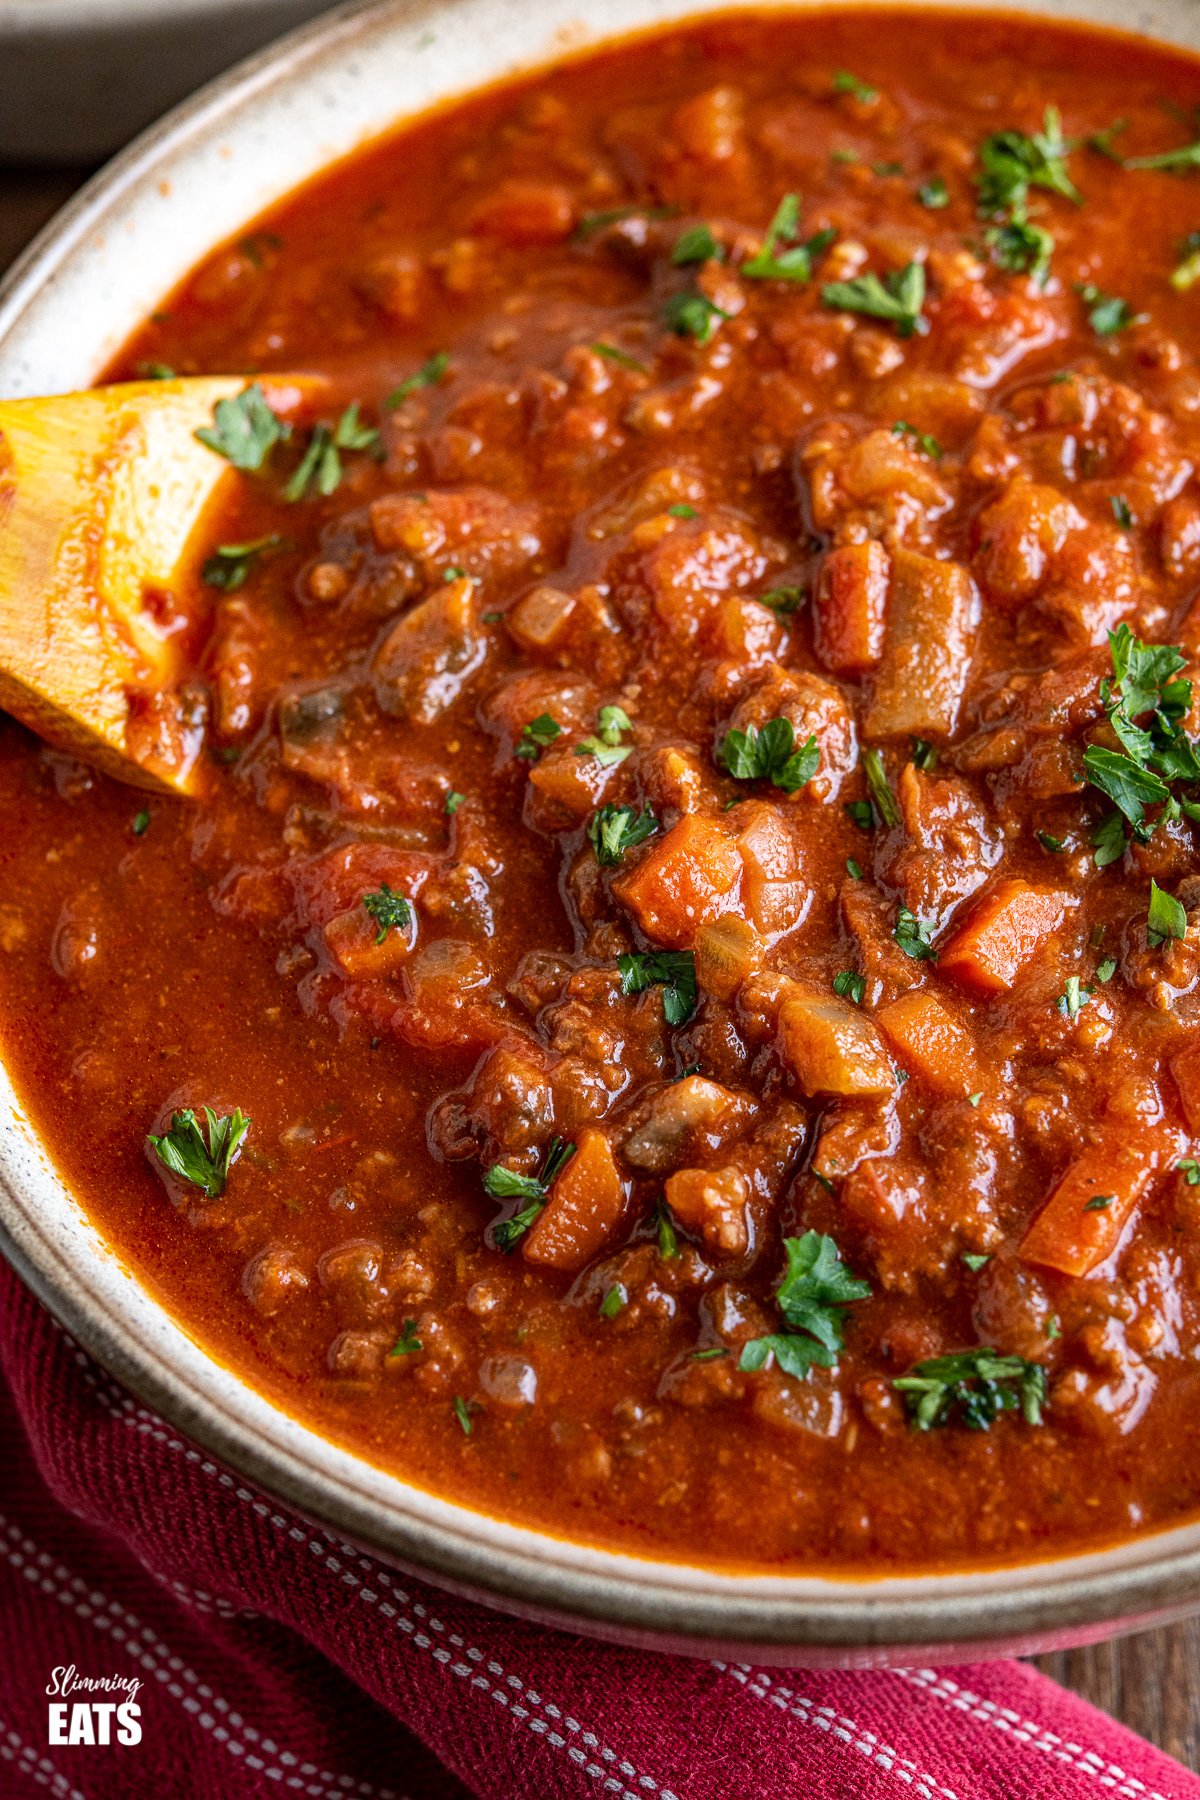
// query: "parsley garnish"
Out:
[156,371]
[462,1412]
[1012,163]
[614,1301]
[849,986]
[1054,845]
[912,935]
[1186,156]
[537,734]
[1107,969]
[1165,919]
[1189,1168]
[506,1184]
[141,823]
[1021,248]
[408,1343]
[815,1289]
[453,801]
[783,600]
[795,263]
[230,564]
[590,223]
[975,1260]
[861,813]
[1121,511]
[1099,1203]
[1107,313]
[975,1386]
[183,1151]
[846,83]
[770,755]
[693,315]
[612,830]
[853,869]
[922,439]
[244,429]
[933,193]
[681,510]
[320,468]
[880,791]
[390,911]
[1073,999]
[668,1239]
[696,245]
[924,754]
[1187,271]
[605,745]
[612,353]
[428,375]
[898,298]
[672,970]
[1145,680]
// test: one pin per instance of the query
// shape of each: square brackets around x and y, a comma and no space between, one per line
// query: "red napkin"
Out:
[275,1660]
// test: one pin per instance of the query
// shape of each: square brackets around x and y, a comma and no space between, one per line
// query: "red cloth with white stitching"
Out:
[275,1660]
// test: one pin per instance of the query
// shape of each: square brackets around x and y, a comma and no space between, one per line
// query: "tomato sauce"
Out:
[697,892]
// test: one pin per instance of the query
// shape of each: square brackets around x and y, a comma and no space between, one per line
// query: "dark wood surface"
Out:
[1151,1681]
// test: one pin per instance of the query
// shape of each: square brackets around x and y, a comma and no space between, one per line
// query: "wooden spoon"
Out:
[101,497]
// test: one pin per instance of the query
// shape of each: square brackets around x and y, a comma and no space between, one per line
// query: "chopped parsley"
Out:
[408,1343]
[1012,162]
[1099,1203]
[924,754]
[462,1412]
[975,1260]
[794,263]
[614,1301]
[853,869]
[428,375]
[534,1190]
[390,911]
[1053,845]
[536,735]
[922,440]
[849,986]
[846,83]
[1107,313]
[1185,156]
[156,371]
[453,801]
[1189,1168]
[934,193]
[1021,248]
[668,1238]
[141,823]
[612,830]
[1107,969]
[1145,681]
[1165,918]
[693,315]
[591,223]
[783,600]
[320,469]
[613,353]
[973,1386]
[605,743]
[1073,999]
[1186,272]
[878,787]
[913,935]
[230,564]
[861,813]
[672,970]
[812,1296]
[681,510]
[898,298]
[182,1148]
[696,245]
[1121,511]
[770,755]
[244,429]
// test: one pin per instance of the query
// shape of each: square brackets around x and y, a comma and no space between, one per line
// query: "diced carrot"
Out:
[931,1041]
[830,1047]
[1074,1231]
[712,1203]
[727,951]
[584,1207]
[931,613]
[690,877]
[1008,927]
[1186,1069]
[849,608]
[566,786]
[350,937]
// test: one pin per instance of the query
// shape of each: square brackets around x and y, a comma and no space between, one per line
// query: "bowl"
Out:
[81,76]
[68,304]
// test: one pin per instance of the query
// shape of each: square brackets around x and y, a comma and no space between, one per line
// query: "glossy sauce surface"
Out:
[645,467]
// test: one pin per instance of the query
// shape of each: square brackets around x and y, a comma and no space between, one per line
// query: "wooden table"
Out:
[1151,1681]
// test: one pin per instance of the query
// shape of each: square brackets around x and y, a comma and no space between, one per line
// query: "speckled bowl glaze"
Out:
[98,268]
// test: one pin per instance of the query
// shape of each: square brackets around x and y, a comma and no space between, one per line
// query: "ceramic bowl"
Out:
[81,76]
[100,266]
